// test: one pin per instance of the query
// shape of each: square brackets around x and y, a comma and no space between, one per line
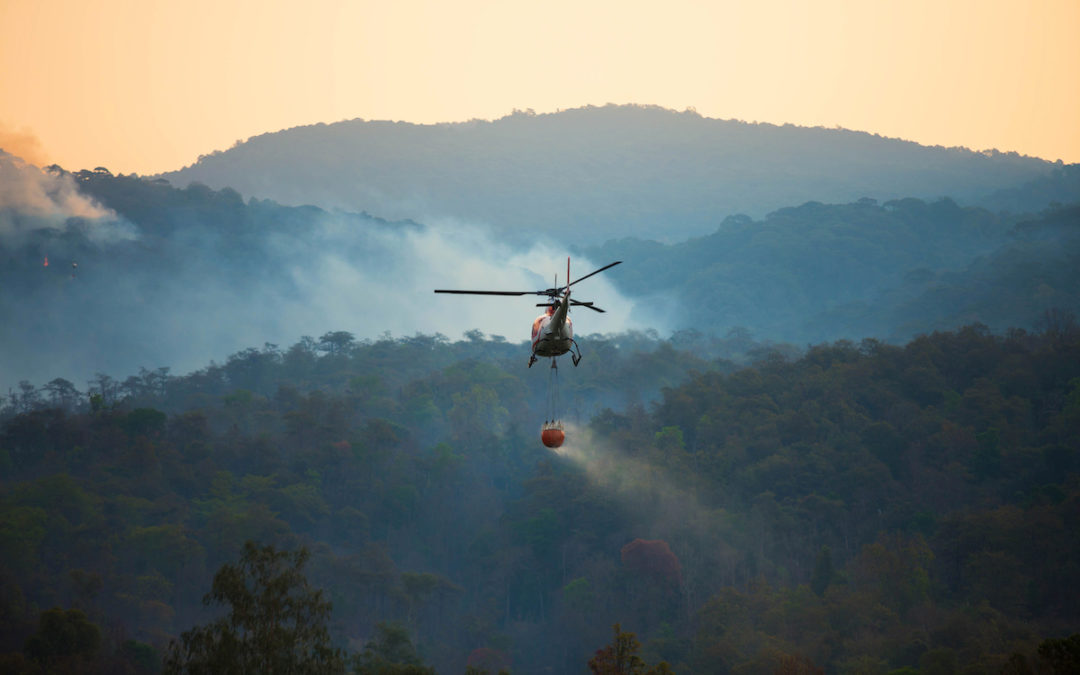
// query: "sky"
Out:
[146,87]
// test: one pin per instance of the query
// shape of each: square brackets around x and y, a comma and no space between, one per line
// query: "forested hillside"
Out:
[819,272]
[106,273]
[601,172]
[741,488]
[860,508]
[115,273]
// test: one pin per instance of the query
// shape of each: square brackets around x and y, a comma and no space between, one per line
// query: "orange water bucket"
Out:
[551,434]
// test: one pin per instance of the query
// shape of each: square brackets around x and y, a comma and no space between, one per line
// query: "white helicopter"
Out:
[552,332]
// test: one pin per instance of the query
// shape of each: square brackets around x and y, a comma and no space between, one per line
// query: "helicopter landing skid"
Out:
[575,357]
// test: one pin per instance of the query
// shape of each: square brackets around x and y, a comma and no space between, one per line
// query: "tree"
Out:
[652,559]
[105,387]
[28,399]
[336,342]
[63,635]
[145,422]
[1062,656]
[620,658]
[823,572]
[390,652]
[62,393]
[797,665]
[276,622]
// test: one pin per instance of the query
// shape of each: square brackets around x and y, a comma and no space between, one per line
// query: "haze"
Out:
[136,295]
[148,87]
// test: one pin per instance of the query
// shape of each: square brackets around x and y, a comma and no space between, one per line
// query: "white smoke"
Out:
[633,480]
[194,295]
[395,292]
[31,198]
[660,508]
[22,143]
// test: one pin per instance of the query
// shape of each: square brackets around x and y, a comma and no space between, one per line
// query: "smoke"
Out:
[199,290]
[665,507]
[700,537]
[388,284]
[22,143]
[32,199]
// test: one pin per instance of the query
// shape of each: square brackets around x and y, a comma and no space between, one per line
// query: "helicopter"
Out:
[552,331]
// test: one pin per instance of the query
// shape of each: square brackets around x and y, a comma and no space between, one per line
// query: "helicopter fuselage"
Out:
[553,332]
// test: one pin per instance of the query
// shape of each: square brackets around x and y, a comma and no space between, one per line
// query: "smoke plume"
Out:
[32,199]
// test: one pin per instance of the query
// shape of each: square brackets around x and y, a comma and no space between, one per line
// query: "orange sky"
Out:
[145,87]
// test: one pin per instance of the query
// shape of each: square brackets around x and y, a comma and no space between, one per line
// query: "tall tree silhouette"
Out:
[276,622]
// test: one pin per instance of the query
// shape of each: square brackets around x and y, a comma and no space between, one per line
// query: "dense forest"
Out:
[750,484]
[819,272]
[116,271]
[856,507]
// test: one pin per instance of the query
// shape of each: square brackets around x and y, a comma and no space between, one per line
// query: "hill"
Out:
[819,272]
[165,277]
[594,173]
[858,508]
[170,278]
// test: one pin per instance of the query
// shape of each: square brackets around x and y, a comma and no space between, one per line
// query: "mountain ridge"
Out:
[595,172]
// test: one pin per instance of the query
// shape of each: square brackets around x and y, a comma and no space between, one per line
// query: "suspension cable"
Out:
[553,392]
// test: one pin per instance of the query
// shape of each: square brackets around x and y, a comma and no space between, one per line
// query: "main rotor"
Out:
[552,293]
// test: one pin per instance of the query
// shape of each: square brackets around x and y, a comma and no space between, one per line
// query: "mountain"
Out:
[857,506]
[821,272]
[103,273]
[1032,280]
[151,276]
[141,274]
[1060,186]
[597,172]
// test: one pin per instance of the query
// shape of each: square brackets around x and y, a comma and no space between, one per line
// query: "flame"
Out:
[46,261]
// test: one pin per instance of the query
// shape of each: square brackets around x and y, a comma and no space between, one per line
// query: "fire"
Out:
[46,261]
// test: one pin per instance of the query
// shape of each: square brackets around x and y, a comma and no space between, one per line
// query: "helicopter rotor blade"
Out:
[550,292]
[575,303]
[605,267]
[591,306]
[439,290]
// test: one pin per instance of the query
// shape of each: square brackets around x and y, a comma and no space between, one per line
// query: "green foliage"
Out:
[145,421]
[670,439]
[275,622]
[894,270]
[390,652]
[1062,656]
[897,569]
[63,634]
[870,506]
[22,530]
[823,572]
[144,657]
[578,595]
[941,661]
[859,506]
[166,548]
